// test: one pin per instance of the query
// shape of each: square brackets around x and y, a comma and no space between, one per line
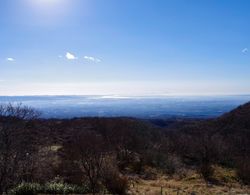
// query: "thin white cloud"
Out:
[10,59]
[245,50]
[70,56]
[60,56]
[92,59]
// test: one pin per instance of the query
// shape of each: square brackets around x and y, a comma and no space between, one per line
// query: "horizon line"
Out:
[124,95]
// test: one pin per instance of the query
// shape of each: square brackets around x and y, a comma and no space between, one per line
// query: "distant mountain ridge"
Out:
[235,120]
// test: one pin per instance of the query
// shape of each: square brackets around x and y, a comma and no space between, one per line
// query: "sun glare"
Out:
[49,11]
[47,3]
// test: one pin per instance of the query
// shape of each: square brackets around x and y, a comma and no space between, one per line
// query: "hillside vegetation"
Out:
[123,155]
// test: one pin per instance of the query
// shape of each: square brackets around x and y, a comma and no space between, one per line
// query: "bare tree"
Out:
[201,148]
[87,150]
[15,142]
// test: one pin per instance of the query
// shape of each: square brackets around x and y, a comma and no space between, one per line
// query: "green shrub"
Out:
[61,188]
[48,188]
[27,189]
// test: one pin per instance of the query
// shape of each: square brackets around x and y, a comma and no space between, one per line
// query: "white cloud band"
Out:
[10,59]
[92,59]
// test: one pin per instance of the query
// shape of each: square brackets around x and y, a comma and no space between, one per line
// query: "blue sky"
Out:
[126,47]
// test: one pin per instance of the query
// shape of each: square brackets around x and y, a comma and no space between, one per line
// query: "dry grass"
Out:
[192,184]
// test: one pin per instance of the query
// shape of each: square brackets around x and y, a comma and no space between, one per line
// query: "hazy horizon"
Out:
[154,107]
[121,96]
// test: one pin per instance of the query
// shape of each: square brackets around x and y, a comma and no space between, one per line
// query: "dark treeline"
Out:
[91,155]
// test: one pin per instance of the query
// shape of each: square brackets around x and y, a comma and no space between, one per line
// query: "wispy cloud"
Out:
[92,59]
[70,56]
[245,50]
[10,59]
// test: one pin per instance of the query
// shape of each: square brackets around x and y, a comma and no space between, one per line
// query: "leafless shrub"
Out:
[112,179]
[243,169]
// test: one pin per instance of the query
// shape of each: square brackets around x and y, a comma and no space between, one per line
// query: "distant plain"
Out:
[149,107]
